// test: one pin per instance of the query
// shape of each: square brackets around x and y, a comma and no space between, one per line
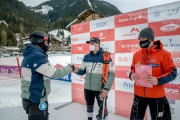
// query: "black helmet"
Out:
[39,37]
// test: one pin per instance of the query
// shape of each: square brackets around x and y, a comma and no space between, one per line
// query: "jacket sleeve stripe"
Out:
[170,77]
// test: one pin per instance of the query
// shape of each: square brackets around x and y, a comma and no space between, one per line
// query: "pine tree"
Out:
[4,38]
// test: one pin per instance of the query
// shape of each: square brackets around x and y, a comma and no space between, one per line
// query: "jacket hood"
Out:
[157,46]
[32,49]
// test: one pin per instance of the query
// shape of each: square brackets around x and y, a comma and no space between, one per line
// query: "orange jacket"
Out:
[162,68]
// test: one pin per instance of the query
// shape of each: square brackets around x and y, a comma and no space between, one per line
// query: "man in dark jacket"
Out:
[36,74]
[92,66]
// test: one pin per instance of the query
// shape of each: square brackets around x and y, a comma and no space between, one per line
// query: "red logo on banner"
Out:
[80,49]
[104,35]
[166,28]
[134,30]
[75,39]
[80,28]
[173,91]
[122,72]
[169,27]
[132,18]
[122,59]
[176,58]
[127,46]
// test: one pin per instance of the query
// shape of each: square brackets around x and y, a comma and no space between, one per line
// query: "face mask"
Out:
[144,44]
[91,47]
[45,48]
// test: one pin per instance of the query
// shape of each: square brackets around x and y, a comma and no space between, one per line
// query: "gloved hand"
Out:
[73,67]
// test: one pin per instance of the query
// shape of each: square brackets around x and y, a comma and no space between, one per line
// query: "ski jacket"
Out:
[36,73]
[92,66]
[163,68]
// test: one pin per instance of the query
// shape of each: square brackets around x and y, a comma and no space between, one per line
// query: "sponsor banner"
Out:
[80,28]
[127,46]
[123,59]
[113,86]
[164,12]
[77,58]
[123,103]
[104,35]
[177,80]
[166,28]
[175,108]
[129,32]
[176,58]
[78,93]
[9,72]
[102,24]
[9,69]
[172,91]
[77,78]
[125,85]
[171,43]
[131,18]
[66,78]
[113,58]
[80,38]
[111,101]
[108,46]
[122,71]
[80,49]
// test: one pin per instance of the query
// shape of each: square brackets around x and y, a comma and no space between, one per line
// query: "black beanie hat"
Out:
[146,33]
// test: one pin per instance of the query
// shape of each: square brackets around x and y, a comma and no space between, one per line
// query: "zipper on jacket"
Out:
[91,73]
[94,66]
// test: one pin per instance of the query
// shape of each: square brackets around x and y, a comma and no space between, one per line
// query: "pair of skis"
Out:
[103,112]
[106,57]
[102,117]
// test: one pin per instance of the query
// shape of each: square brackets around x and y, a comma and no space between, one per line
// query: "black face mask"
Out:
[144,44]
[45,48]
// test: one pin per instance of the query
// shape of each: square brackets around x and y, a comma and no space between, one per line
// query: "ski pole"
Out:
[104,100]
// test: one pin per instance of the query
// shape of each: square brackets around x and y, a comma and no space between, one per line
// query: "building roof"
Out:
[82,16]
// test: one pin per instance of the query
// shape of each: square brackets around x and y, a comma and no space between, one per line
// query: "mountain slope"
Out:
[62,12]
[19,17]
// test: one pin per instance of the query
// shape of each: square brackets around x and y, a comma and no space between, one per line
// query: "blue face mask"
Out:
[144,44]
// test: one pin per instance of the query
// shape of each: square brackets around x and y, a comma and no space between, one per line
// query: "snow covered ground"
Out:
[11,105]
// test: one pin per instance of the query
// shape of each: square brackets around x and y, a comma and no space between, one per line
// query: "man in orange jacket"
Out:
[163,71]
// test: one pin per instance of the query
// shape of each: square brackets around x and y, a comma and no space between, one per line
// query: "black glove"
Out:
[72,66]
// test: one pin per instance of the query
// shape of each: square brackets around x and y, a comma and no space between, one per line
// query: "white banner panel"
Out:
[123,59]
[108,46]
[80,38]
[102,24]
[129,32]
[164,12]
[125,85]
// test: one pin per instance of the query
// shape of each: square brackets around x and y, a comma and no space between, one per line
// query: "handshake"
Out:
[74,68]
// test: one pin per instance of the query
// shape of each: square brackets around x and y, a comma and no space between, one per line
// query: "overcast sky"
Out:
[123,5]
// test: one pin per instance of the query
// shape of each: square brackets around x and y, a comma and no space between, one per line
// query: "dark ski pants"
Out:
[90,99]
[159,108]
[33,111]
